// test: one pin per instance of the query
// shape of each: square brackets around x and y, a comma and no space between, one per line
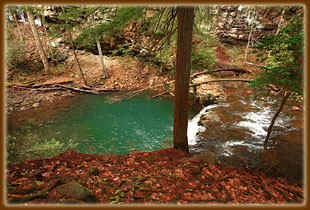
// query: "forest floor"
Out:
[160,177]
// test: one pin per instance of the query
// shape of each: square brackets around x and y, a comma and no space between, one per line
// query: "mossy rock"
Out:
[76,191]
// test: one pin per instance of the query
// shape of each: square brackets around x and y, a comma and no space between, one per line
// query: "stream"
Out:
[88,124]
[238,127]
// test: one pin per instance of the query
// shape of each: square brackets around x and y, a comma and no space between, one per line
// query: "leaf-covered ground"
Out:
[157,177]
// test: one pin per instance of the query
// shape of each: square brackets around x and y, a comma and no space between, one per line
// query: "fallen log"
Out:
[201,83]
[30,84]
[221,80]
[238,70]
[88,90]
[53,83]
[77,89]
[38,89]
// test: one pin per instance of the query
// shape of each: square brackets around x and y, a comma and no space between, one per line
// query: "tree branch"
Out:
[197,84]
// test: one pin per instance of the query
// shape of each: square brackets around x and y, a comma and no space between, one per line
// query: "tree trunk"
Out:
[183,64]
[48,39]
[17,25]
[101,59]
[38,43]
[247,47]
[77,60]
[283,101]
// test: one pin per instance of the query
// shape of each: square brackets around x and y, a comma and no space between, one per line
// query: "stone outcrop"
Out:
[210,93]
[233,23]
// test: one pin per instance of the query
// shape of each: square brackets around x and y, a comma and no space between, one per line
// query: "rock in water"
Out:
[209,117]
[76,191]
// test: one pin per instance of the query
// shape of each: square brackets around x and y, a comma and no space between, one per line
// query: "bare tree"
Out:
[13,14]
[38,42]
[101,58]
[76,58]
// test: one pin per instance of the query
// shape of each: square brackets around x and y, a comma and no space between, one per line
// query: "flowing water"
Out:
[88,124]
[239,126]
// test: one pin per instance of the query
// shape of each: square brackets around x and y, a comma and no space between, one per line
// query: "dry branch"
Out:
[38,89]
[89,90]
[77,89]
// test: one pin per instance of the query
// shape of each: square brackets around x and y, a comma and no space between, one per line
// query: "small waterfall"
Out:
[193,128]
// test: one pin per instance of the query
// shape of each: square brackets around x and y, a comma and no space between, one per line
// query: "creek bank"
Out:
[158,177]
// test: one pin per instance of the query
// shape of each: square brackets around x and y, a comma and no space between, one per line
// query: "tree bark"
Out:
[283,101]
[38,43]
[183,64]
[101,59]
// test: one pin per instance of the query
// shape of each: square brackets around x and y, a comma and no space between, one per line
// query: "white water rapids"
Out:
[255,121]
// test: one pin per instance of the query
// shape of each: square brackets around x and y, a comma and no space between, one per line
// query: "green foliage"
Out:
[284,67]
[15,49]
[203,20]
[110,28]
[38,182]
[203,56]
[48,148]
[203,53]
[24,144]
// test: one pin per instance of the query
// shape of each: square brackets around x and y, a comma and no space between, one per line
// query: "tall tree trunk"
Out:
[247,47]
[283,101]
[75,56]
[101,59]
[48,39]
[17,25]
[38,43]
[183,64]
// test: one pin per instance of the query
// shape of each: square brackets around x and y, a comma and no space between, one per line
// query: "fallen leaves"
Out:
[46,174]
[154,177]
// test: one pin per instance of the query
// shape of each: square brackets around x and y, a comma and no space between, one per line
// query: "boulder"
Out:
[210,93]
[76,191]
[209,117]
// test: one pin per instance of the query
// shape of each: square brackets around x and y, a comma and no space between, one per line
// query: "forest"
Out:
[154,105]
